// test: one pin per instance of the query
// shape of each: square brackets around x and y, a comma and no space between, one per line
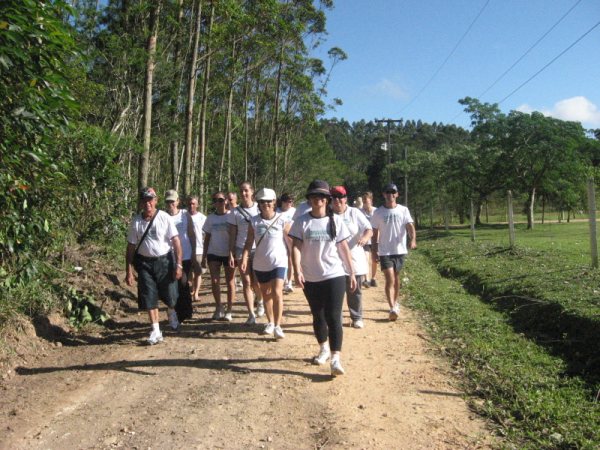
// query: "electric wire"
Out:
[445,60]
[529,50]
[552,61]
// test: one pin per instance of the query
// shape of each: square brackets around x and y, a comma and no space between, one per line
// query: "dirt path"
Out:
[218,385]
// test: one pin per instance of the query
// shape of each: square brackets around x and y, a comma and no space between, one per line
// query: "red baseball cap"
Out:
[340,191]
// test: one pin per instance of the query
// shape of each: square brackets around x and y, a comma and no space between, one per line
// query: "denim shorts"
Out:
[266,277]
[156,281]
[389,261]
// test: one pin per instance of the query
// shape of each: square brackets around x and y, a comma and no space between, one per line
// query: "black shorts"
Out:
[216,258]
[367,247]
[392,261]
[156,280]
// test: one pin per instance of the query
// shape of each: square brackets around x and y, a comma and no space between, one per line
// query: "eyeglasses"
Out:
[218,200]
[262,202]
[338,197]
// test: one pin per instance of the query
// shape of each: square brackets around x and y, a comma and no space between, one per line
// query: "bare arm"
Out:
[177,249]
[232,230]
[344,252]
[412,232]
[296,256]
[247,248]
[205,248]
[375,244]
[191,234]
[129,277]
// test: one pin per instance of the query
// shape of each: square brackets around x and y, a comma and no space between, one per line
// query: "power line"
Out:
[445,60]
[529,49]
[547,65]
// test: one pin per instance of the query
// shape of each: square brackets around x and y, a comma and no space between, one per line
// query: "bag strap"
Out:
[145,233]
[244,213]
[267,230]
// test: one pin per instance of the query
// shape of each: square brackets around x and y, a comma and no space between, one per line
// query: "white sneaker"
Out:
[260,309]
[174,321]
[155,337]
[358,324]
[288,287]
[394,312]
[218,314]
[228,317]
[269,329]
[336,368]
[279,334]
[322,357]
[251,320]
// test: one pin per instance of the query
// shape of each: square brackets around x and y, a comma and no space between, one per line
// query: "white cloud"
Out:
[388,88]
[578,109]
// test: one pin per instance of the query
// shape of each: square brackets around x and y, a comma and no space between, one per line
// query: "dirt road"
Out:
[220,385]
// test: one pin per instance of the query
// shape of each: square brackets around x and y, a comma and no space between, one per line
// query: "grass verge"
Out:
[530,392]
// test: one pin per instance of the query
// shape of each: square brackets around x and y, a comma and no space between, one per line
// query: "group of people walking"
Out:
[330,247]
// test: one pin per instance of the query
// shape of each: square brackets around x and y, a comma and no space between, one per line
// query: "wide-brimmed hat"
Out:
[266,194]
[319,187]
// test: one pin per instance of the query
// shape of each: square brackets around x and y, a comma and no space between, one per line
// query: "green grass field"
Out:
[523,324]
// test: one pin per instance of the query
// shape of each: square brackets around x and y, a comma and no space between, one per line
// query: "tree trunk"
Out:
[174,147]
[204,107]
[151,49]
[275,127]
[530,208]
[189,116]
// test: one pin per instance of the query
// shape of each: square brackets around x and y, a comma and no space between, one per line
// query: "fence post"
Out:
[472,223]
[511,221]
[446,218]
[592,214]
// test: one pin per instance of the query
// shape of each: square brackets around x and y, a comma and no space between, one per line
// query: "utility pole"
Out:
[388,148]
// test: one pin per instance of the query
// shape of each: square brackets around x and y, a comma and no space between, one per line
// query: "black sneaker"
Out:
[373,282]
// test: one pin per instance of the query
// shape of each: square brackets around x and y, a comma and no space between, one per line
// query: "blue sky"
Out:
[395,47]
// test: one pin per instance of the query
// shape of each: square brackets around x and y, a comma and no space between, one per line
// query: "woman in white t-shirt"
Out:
[198,220]
[268,232]
[322,261]
[216,253]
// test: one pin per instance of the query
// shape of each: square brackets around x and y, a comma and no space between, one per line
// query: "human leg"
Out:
[230,280]
[313,294]
[354,299]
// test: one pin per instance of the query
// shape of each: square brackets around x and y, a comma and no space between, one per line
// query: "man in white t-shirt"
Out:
[391,223]
[154,250]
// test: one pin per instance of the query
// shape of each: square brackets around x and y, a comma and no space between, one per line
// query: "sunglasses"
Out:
[338,197]
[317,196]
[218,200]
[262,202]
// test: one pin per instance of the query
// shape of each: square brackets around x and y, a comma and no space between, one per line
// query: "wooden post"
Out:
[446,218]
[472,223]
[592,214]
[511,221]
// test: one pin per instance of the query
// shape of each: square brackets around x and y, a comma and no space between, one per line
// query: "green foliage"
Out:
[530,392]
[81,308]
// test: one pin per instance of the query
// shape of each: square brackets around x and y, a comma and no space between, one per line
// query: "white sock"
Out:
[335,357]
[325,346]
[155,327]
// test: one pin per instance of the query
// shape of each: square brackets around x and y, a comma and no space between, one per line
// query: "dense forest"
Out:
[101,98]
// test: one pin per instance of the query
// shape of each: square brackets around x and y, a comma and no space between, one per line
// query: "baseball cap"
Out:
[266,194]
[339,191]
[318,187]
[171,196]
[147,192]
[390,187]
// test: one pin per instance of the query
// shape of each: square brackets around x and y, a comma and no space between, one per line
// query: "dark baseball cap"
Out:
[147,192]
[390,187]
[319,187]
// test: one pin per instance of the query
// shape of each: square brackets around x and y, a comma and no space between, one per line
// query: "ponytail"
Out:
[331,228]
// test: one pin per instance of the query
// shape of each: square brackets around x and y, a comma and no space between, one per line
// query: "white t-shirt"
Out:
[272,251]
[357,223]
[198,220]
[158,240]
[216,226]
[181,222]
[289,214]
[320,259]
[241,221]
[302,208]
[391,223]
[368,216]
